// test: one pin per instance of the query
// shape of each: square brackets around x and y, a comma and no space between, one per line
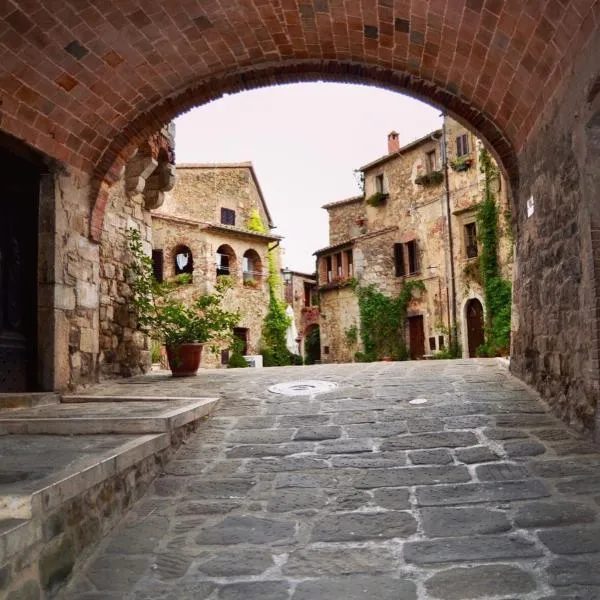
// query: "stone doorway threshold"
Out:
[70,469]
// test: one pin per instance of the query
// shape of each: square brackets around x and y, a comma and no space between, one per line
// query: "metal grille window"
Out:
[471,240]
[462,145]
[227,216]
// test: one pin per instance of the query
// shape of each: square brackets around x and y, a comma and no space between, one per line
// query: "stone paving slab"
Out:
[479,493]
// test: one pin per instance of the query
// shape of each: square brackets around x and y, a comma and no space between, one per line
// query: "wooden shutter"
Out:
[399,259]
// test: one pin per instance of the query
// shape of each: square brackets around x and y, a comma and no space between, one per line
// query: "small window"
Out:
[325,349]
[431,161]
[227,216]
[158,265]
[471,240]
[329,269]
[307,294]
[432,344]
[441,342]
[413,259]
[399,259]
[184,262]
[338,265]
[350,262]
[224,357]
[462,145]
[379,184]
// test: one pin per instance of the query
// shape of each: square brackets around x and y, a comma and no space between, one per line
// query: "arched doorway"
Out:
[474,324]
[312,345]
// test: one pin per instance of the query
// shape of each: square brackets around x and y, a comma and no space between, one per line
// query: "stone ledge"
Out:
[104,418]
[25,500]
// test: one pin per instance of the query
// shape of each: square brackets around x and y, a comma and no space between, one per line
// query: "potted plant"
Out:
[184,328]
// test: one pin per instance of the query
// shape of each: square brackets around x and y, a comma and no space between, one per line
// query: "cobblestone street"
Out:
[359,494]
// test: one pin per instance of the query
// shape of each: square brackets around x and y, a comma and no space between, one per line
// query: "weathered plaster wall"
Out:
[557,301]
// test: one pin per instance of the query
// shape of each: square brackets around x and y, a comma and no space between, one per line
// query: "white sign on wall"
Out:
[530,206]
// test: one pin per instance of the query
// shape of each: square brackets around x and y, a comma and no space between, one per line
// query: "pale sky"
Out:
[305,140]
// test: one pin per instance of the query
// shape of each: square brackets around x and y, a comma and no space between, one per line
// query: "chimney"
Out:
[393,142]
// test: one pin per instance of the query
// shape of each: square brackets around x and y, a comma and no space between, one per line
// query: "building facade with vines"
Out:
[417,225]
[215,223]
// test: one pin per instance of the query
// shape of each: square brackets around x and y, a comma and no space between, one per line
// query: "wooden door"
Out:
[416,334]
[19,199]
[475,329]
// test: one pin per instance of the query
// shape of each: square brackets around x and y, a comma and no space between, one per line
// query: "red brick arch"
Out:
[84,82]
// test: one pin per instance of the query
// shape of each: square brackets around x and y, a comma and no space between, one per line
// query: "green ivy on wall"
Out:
[497,291]
[383,321]
[274,349]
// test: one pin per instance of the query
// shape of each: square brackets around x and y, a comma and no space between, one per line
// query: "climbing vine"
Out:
[382,321]
[274,349]
[497,291]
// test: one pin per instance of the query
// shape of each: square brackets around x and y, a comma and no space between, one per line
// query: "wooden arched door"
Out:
[475,327]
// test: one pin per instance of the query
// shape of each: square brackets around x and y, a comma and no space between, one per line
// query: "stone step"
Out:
[45,473]
[9,401]
[82,398]
[17,535]
[137,417]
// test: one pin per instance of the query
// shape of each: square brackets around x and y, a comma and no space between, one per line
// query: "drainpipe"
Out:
[452,329]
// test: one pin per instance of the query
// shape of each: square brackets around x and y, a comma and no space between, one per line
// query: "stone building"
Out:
[300,292]
[399,231]
[202,229]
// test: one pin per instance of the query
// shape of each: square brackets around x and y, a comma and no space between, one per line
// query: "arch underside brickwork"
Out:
[88,84]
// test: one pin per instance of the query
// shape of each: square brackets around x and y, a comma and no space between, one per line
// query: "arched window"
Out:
[252,268]
[225,260]
[184,262]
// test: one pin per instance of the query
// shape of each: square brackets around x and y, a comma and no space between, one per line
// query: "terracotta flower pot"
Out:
[184,359]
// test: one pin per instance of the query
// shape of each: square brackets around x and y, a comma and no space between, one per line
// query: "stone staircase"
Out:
[70,467]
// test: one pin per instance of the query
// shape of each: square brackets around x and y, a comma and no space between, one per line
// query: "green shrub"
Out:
[236,361]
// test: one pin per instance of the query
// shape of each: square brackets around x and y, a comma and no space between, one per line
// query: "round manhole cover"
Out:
[306,387]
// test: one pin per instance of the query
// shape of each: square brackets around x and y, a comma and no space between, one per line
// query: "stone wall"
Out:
[557,301]
[124,351]
[346,220]
[71,276]
[338,312]
[202,190]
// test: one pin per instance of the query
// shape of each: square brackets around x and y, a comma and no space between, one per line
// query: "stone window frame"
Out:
[431,166]
[469,224]
[403,253]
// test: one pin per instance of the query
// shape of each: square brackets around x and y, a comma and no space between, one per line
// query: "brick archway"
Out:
[84,83]
[112,162]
